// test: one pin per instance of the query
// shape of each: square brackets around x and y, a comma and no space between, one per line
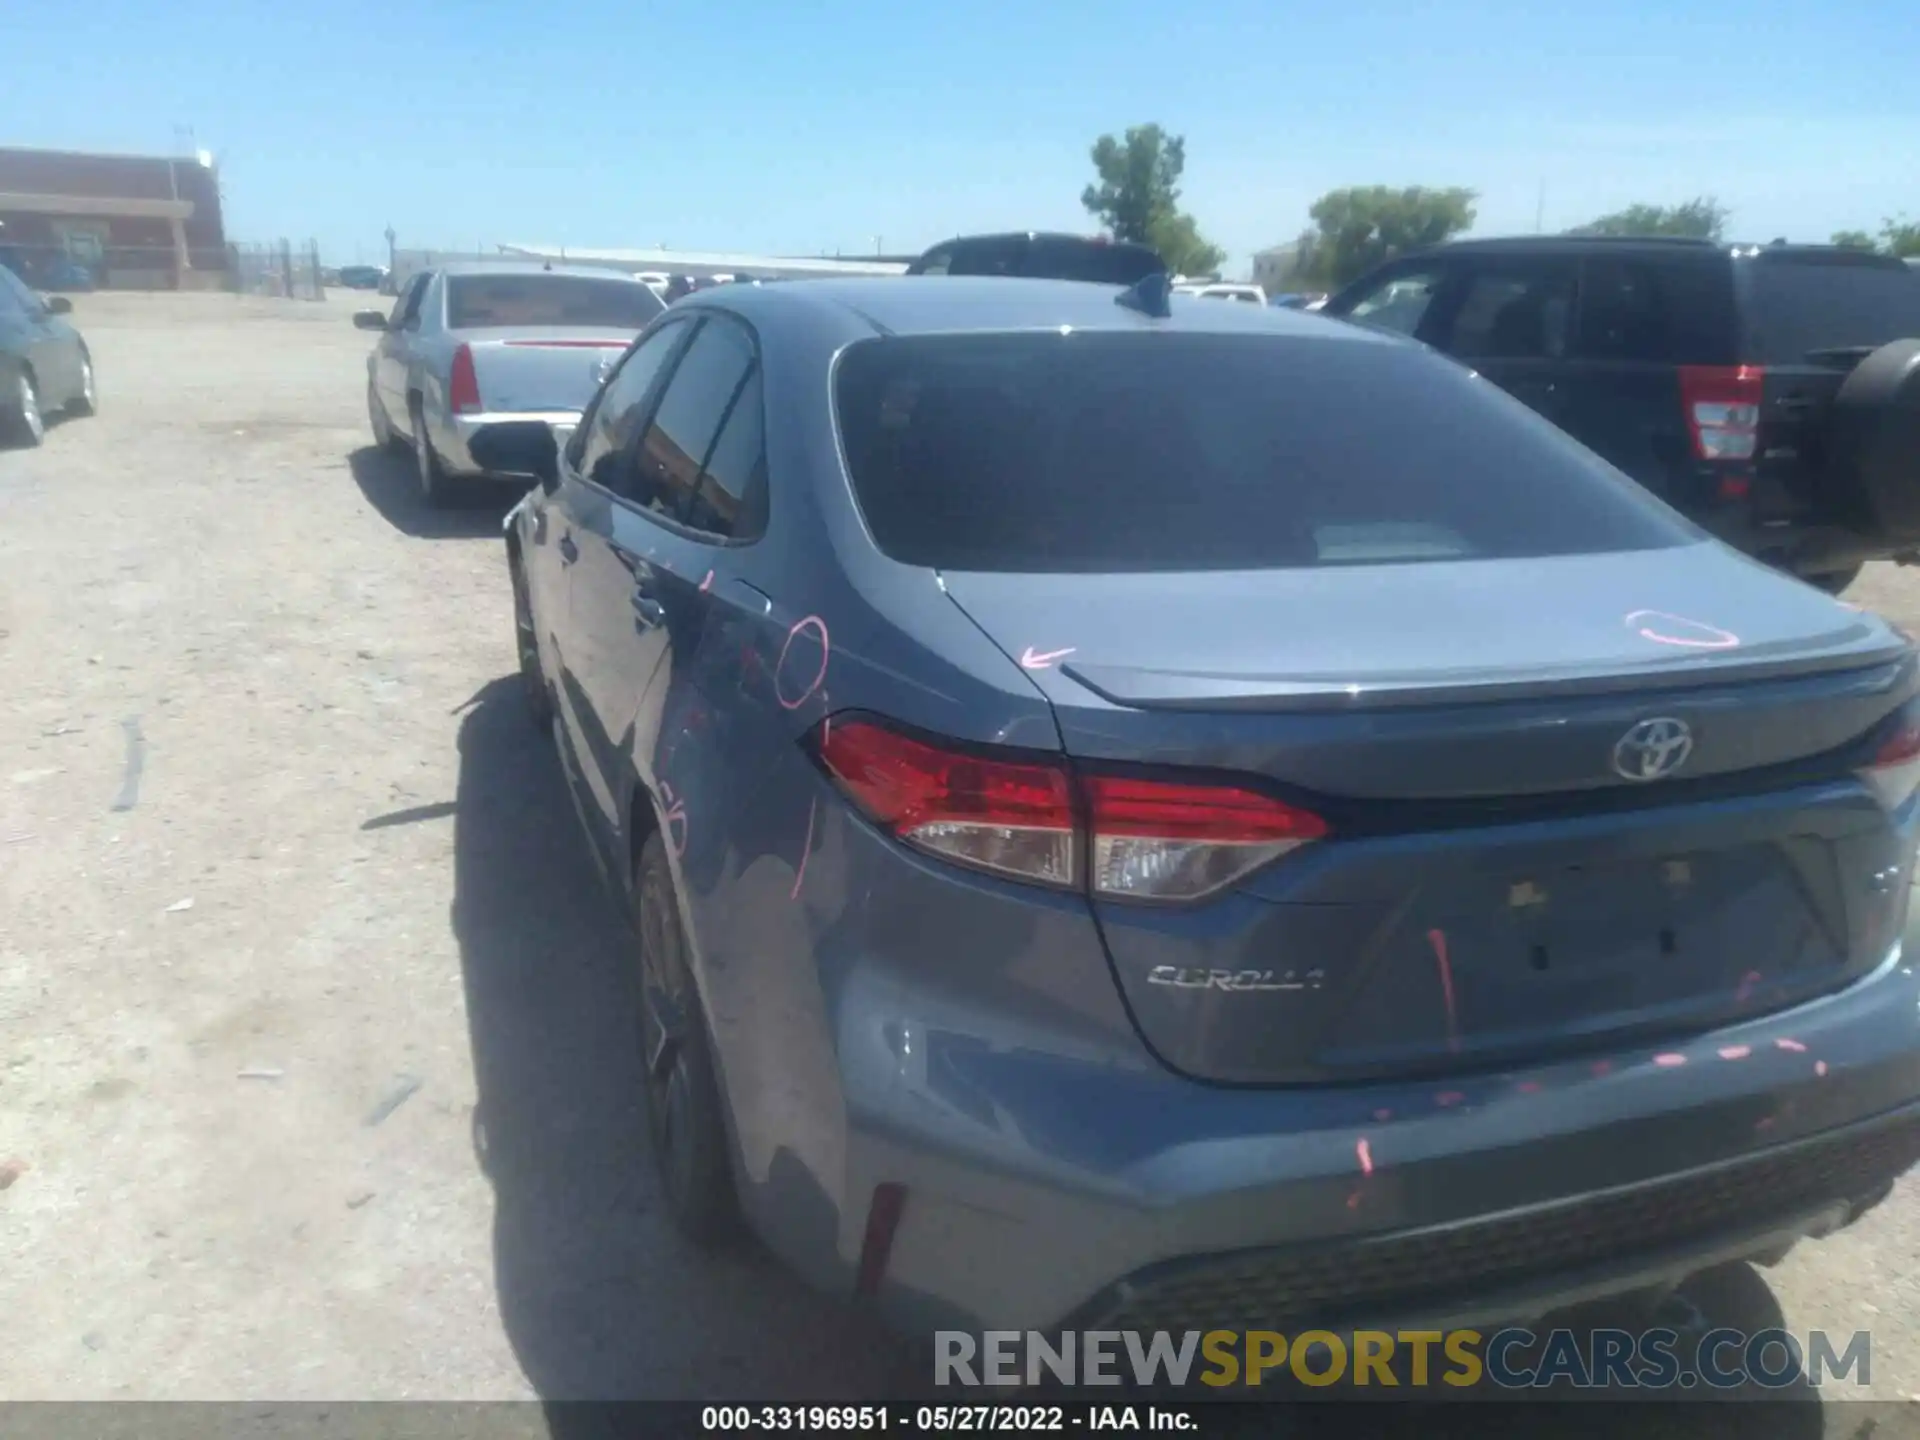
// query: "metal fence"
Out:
[278,267]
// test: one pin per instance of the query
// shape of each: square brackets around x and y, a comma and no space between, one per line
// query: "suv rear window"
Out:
[1089,452]
[1820,301]
[484,302]
[1053,258]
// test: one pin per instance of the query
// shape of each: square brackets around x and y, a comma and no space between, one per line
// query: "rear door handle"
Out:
[569,552]
[648,612]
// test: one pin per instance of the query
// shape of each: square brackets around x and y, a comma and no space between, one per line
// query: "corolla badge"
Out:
[1653,749]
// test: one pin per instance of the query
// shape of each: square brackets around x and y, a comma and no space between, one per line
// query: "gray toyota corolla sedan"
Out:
[1157,813]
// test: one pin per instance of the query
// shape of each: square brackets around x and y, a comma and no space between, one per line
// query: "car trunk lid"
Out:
[542,369]
[1493,885]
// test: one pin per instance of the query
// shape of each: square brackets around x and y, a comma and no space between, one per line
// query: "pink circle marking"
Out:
[1667,629]
[813,622]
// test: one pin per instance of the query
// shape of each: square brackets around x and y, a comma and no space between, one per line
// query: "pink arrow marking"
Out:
[1031,661]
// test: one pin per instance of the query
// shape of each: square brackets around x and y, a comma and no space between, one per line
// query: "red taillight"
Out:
[1145,839]
[463,388]
[1723,409]
[1894,772]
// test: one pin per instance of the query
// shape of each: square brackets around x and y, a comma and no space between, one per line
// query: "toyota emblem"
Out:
[1653,749]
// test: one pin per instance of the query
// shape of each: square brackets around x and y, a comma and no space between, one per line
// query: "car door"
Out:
[645,557]
[1511,319]
[595,469]
[49,346]
[393,353]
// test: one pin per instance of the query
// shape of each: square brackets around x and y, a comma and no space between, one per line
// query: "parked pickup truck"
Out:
[469,346]
[1770,393]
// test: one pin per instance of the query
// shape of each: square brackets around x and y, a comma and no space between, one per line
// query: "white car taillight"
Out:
[1146,839]
[1894,773]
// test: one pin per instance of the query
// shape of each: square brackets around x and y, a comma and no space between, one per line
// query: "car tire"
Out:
[87,402]
[1835,582]
[526,641]
[432,475]
[21,422]
[686,1120]
[378,421]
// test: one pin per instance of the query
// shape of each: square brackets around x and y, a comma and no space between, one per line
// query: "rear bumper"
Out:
[453,437]
[1104,1196]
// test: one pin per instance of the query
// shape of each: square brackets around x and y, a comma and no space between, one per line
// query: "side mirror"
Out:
[59,305]
[369,320]
[518,447]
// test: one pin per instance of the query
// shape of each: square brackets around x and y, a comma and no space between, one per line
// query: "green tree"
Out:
[1703,218]
[1900,236]
[1138,197]
[1855,240]
[1363,226]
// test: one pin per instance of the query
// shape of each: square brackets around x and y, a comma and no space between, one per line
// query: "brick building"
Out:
[133,221]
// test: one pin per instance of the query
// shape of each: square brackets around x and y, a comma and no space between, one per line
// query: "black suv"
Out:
[1032,255]
[1771,393]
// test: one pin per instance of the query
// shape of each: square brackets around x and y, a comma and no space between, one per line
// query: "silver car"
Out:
[473,345]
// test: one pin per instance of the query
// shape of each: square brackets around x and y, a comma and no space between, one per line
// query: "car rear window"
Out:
[1086,452]
[486,302]
[1801,303]
[1088,260]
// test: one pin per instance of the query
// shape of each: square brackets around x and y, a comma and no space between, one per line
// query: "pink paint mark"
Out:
[1438,939]
[1528,1087]
[1383,1115]
[1353,1200]
[1735,1052]
[1666,629]
[1448,1097]
[1031,661]
[707,584]
[1765,1122]
[1601,1067]
[819,626]
[1747,982]
[1669,1061]
[806,850]
[1790,1045]
[1820,1068]
[1366,1155]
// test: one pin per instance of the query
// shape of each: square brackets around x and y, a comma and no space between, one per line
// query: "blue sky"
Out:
[766,126]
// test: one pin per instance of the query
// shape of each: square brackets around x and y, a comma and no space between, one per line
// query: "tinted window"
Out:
[1042,453]
[936,262]
[1088,260]
[705,392]
[604,449]
[986,257]
[1671,313]
[1512,312]
[1400,304]
[732,485]
[1800,303]
[486,302]
[16,298]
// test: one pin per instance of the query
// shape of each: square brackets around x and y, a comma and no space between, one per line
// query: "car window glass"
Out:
[1060,257]
[700,394]
[535,299]
[731,491]
[14,297]
[987,257]
[1661,313]
[1117,452]
[602,452]
[938,263]
[406,313]
[1519,312]
[1400,304]
[1804,302]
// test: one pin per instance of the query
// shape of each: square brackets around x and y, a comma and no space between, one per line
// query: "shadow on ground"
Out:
[388,479]
[600,1298]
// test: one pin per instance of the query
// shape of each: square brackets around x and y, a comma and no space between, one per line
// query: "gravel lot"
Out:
[349,867]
